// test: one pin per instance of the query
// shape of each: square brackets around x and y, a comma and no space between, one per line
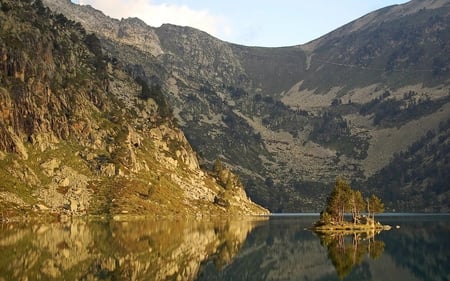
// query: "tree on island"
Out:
[343,199]
[374,205]
[334,231]
[338,201]
[357,205]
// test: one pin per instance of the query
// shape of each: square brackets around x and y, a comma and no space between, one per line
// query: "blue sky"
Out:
[267,23]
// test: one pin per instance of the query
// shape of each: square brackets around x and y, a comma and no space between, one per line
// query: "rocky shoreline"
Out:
[350,227]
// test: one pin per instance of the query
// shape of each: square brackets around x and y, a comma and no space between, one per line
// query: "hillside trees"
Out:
[423,169]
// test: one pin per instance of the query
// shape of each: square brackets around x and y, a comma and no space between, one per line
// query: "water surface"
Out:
[280,248]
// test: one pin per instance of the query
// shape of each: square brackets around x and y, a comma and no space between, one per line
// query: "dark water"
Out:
[280,248]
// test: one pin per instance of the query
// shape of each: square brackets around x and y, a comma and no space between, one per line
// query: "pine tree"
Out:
[357,205]
[374,205]
[338,201]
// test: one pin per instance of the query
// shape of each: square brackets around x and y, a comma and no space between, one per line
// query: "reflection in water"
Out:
[421,245]
[283,249]
[278,249]
[134,250]
[347,249]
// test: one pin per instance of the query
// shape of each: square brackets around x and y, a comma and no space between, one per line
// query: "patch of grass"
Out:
[9,183]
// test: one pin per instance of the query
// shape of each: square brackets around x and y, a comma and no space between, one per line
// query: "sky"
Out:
[265,23]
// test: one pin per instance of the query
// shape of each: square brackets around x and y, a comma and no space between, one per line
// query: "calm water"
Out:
[276,249]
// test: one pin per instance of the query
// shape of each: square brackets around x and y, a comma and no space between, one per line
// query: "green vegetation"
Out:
[332,130]
[389,112]
[417,179]
[334,231]
[99,61]
[343,199]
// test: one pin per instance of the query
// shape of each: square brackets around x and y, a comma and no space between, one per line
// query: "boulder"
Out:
[64,182]
[49,167]
[108,169]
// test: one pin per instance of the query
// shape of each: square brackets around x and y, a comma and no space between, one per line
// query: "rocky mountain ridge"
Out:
[291,119]
[81,134]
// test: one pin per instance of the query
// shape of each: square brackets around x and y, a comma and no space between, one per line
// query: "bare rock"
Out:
[12,198]
[108,169]
[50,269]
[50,166]
[64,182]
[19,147]
[40,207]
[73,205]
[90,156]
[43,141]
[109,264]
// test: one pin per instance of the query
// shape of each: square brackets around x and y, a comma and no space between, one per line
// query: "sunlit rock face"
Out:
[82,133]
[290,120]
[134,250]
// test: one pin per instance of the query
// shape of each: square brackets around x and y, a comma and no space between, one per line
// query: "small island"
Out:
[344,200]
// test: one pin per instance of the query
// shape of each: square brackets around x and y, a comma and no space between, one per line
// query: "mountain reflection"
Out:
[278,249]
[133,250]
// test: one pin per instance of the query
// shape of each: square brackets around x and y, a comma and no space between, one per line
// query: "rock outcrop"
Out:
[79,134]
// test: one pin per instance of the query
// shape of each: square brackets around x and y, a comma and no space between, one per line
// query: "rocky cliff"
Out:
[355,102]
[83,133]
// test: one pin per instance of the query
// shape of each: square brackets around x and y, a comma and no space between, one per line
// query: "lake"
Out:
[278,248]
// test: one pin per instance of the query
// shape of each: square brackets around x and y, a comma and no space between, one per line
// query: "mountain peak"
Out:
[382,16]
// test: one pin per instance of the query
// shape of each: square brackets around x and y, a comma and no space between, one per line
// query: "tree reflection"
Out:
[348,249]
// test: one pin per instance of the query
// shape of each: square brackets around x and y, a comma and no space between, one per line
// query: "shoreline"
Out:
[351,227]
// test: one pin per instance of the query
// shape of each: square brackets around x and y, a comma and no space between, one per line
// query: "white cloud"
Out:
[155,15]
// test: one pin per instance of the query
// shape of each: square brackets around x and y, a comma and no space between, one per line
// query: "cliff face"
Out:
[80,133]
[290,120]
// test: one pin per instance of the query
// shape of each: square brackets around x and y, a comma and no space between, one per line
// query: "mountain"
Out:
[353,103]
[83,133]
